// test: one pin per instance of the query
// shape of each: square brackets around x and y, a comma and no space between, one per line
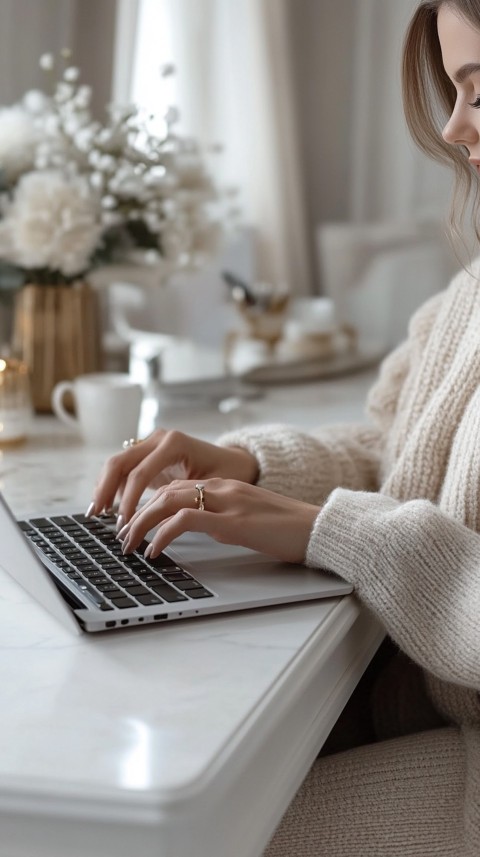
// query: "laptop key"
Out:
[71,529]
[134,564]
[61,520]
[161,561]
[112,593]
[102,585]
[148,576]
[109,563]
[200,593]
[106,539]
[73,553]
[173,576]
[168,593]
[40,522]
[81,519]
[135,589]
[149,598]
[123,602]
[188,585]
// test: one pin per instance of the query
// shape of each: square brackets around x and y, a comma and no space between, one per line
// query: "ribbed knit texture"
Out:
[381,800]
[401,523]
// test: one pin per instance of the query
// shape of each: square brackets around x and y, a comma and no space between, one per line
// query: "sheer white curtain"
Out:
[234,87]
[390,177]
[392,252]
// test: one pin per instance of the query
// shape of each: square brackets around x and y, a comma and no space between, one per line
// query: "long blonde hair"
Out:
[429,98]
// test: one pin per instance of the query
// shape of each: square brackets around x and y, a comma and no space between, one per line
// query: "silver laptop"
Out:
[75,568]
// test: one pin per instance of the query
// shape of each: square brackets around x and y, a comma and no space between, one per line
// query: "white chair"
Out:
[378,273]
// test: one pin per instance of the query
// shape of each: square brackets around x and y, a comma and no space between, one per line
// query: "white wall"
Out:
[30,28]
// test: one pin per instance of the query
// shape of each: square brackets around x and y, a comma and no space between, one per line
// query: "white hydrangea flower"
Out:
[36,102]
[97,181]
[106,164]
[120,177]
[64,91]
[18,138]
[83,97]
[71,74]
[52,125]
[53,222]
[72,126]
[83,138]
[46,62]
[109,202]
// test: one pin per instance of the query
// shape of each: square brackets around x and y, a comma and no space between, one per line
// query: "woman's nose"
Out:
[460,130]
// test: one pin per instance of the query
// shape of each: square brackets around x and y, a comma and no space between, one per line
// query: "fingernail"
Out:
[90,510]
[123,533]
[148,551]
[126,546]
[120,523]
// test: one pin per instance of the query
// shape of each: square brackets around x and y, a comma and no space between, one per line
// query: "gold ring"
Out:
[131,442]
[200,498]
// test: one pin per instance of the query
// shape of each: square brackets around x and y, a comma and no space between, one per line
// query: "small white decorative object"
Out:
[312,331]
[310,315]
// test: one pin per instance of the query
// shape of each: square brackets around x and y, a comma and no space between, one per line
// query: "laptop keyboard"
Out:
[88,553]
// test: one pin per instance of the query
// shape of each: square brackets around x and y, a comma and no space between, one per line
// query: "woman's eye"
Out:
[475,103]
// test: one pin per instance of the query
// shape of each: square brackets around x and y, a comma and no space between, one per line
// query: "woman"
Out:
[393,508]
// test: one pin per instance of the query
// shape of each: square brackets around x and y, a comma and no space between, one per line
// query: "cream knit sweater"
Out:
[400,499]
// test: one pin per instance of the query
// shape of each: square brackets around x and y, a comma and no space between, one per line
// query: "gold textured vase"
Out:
[56,332]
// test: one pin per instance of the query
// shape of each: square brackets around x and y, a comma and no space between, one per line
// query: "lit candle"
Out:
[15,402]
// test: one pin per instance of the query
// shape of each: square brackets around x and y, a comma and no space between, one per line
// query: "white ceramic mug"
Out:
[107,407]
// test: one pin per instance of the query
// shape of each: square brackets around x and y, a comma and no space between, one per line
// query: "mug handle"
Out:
[58,393]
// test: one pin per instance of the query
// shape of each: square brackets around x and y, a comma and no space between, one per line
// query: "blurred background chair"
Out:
[377,274]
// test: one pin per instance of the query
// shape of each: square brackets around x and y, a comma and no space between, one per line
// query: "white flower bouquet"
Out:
[76,193]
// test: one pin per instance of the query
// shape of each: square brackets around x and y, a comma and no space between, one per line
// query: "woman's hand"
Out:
[161,457]
[235,513]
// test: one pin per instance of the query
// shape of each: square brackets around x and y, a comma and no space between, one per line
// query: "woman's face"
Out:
[460,44]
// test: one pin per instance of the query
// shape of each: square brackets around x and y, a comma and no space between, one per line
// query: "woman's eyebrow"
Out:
[465,71]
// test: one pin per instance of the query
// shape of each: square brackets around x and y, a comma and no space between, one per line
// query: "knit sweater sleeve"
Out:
[308,466]
[384,397]
[416,568]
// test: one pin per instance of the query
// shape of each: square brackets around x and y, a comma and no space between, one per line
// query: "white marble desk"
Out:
[187,740]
